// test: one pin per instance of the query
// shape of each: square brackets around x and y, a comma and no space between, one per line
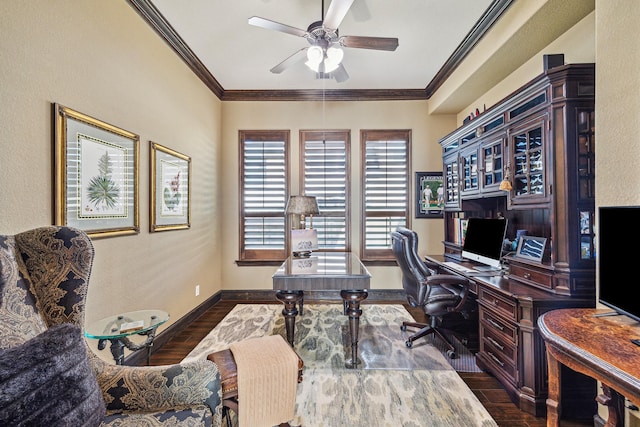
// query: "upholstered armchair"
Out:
[44,274]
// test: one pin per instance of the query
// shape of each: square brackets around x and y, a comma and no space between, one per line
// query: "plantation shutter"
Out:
[325,164]
[386,167]
[264,194]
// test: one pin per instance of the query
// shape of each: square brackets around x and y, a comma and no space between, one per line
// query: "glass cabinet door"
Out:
[492,164]
[470,181]
[586,181]
[529,166]
[451,182]
[586,154]
[528,162]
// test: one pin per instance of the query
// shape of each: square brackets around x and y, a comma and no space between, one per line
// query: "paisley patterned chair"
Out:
[44,274]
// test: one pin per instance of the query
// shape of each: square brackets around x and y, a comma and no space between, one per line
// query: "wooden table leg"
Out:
[614,402]
[352,299]
[553,399]
[289,299]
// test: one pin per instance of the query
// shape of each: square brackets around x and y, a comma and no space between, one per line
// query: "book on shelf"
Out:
[459,230]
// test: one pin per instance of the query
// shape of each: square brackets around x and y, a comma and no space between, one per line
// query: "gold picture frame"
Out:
[170,204]
[96,175]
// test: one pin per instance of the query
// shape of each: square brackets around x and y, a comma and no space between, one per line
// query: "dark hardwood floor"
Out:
[488,390]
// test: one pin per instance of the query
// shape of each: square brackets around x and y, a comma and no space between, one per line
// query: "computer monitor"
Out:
[618,237]
[483,241]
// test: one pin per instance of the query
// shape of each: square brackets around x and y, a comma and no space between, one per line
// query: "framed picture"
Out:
[429,195]
[530,247]
[170,189]
[96,175]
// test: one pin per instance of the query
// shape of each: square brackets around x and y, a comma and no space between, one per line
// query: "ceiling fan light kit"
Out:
[325,54]
[324,61]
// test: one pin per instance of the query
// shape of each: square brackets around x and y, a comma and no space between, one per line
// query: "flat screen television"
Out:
[483,241]
[618,234]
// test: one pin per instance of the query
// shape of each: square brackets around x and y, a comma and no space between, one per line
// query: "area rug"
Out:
[394,385]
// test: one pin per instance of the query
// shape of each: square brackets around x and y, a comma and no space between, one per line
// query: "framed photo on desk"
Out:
[530,247]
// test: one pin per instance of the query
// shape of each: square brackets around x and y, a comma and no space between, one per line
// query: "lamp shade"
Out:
[302,205]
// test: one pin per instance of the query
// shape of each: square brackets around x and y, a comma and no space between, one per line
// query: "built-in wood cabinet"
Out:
[541,139]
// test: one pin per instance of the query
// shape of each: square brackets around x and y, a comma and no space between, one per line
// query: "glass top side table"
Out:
[118,328]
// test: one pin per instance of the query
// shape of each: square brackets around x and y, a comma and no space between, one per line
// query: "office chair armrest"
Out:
[461,284]
[433,266]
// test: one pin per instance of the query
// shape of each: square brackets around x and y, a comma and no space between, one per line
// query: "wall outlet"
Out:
[197,290]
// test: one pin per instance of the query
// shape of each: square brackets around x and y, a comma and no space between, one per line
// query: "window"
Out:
[324,165]
[386,188]
[264,190]
[324,172]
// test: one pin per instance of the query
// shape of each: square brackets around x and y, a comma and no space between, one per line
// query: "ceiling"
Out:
[239,56]
[234,58]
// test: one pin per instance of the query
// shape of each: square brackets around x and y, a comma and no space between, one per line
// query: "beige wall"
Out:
[617,111]
[100,58]
[577,45]
[296,116]
[617,103]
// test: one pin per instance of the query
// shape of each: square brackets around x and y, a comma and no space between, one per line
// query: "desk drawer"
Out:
[497,326]
[499,359]
[497,302]
[498,344]
[530,276]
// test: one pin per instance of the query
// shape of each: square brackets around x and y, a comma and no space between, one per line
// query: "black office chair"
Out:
[436,294]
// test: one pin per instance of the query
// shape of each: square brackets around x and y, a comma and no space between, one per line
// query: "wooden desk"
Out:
[599,347]
[341,271]
[510,346]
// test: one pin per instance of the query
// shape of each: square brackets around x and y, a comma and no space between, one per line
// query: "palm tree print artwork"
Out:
[103,181]
[103,191]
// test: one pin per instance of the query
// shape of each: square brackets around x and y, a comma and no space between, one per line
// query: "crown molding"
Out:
[158,22]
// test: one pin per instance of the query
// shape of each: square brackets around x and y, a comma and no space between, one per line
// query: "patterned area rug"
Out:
[395,385]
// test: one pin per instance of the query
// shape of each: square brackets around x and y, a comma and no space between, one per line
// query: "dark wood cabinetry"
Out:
[542,140]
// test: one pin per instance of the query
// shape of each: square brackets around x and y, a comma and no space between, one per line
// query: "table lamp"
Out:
[303,241]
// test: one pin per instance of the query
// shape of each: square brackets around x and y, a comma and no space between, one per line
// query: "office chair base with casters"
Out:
[427,330]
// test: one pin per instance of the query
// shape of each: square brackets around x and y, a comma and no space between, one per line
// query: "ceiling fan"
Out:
[324,55]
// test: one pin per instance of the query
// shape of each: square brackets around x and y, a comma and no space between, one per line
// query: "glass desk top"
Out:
[323,264]
[111,327]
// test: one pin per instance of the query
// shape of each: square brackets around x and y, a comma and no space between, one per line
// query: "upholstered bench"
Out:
[226,363]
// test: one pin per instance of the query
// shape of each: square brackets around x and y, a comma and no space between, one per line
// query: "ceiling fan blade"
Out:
[273,25]
[336,12]
[376,43]
[340,74]
[291,60]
